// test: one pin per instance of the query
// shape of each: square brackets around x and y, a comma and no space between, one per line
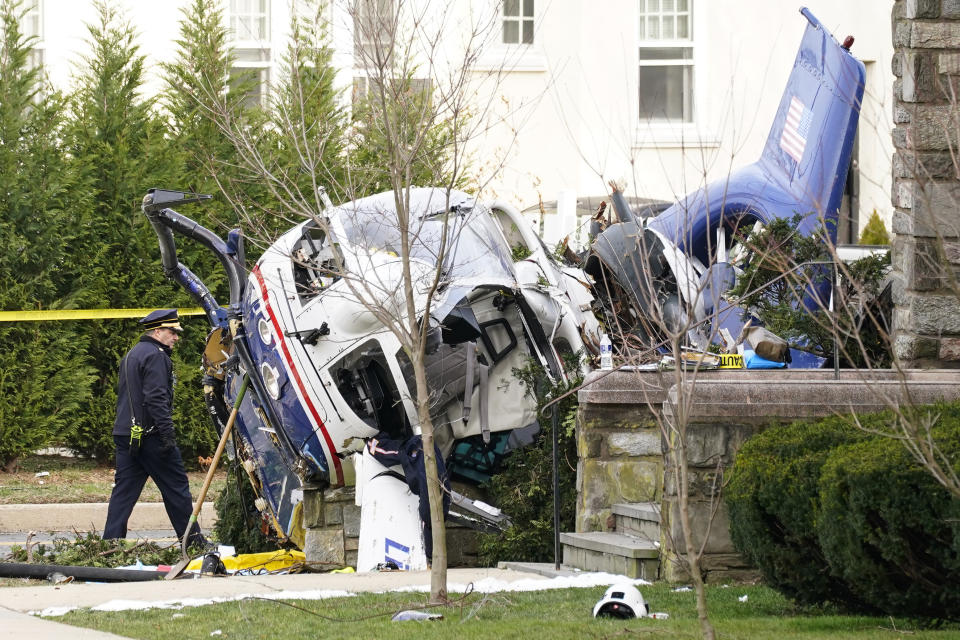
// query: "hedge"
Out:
[830,513]
[889,529]
[772,498]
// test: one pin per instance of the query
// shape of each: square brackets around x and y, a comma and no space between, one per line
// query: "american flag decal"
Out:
[793,140]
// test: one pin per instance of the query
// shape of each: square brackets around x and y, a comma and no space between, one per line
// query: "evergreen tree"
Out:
[43,371]
[122,145]
[875,232]
[196,90]
[203,104]
[306,110]
[399,107]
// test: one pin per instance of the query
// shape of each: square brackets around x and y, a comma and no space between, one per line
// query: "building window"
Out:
[373,30]
[518,22]
[248,20]
[251,70]
[250,30]
[665,36]
[32,27]
[364,86]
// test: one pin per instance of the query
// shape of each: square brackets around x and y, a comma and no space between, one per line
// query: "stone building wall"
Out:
[926,192]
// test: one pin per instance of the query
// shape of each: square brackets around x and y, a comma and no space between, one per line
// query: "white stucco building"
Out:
[660,95]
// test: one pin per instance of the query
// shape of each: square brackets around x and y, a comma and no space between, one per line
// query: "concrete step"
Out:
[618,553]
[639,519]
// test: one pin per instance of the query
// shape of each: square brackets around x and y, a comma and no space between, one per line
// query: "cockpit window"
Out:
[365,384]
[315,263]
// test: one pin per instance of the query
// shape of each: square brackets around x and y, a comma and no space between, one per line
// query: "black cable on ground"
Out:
[449,603]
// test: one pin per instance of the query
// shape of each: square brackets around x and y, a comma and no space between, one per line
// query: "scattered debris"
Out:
[58,578]
[344,570]
[41,474]
[416,615]
[743,598]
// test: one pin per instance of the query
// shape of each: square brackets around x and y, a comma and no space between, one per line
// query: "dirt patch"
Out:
[58,479]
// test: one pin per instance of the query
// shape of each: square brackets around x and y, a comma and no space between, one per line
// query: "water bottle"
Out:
[606,353]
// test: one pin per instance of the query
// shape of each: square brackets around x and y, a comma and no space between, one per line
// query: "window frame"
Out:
[685,58]
[38,47]
[234,16]
[673,133]
[362,14]
[258,51]
[503,57]
[521,20]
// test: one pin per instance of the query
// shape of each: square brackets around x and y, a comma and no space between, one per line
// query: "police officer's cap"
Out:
[162,319]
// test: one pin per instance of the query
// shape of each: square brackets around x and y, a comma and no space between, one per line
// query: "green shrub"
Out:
[772,500]
[238,521]
[196,435]
[523,488]
[774,289]
[889,529]
[874,232]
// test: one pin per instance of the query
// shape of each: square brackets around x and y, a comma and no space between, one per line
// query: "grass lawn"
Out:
[79,480]
[545,615]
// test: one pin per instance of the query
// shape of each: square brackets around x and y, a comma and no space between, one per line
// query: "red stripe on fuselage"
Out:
[331,450]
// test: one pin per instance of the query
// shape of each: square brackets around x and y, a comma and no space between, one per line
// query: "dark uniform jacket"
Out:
[146,373]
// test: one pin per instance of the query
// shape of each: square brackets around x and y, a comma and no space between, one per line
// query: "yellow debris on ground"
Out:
[269,560]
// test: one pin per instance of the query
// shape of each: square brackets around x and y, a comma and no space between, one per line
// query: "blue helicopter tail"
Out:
[808,150]
[804,163]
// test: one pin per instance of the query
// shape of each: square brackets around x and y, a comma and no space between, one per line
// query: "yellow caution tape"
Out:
[731,361]
[84,314]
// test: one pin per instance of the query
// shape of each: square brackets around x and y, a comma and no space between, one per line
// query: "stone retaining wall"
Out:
[618,445]
[332,524]
[723,409]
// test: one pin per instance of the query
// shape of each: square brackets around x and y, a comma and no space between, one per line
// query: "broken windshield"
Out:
[474,251]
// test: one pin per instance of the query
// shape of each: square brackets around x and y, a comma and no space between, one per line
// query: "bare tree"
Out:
[418,106]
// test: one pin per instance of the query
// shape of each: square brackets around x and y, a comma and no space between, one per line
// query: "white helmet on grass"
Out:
[621,600]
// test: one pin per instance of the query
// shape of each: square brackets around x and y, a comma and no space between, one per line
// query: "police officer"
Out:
[143,430]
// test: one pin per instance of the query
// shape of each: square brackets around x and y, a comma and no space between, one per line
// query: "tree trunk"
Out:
[691,552]
[438,567]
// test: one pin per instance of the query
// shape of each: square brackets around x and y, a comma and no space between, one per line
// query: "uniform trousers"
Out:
[166,469]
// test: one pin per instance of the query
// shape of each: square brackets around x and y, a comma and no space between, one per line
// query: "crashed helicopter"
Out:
[326,374]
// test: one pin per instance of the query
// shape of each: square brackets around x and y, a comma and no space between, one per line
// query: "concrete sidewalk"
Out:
[21,625]
[91,516]
[16,602]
